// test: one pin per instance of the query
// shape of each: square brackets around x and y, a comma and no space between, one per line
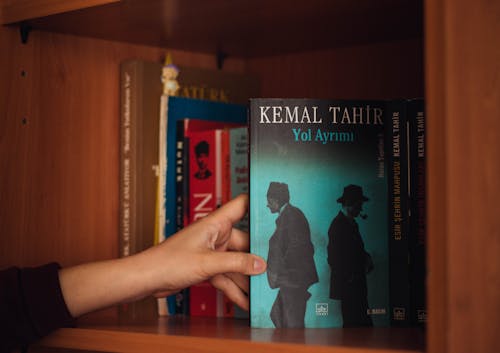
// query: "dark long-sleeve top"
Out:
[31,305]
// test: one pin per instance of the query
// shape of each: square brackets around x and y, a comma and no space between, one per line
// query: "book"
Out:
[177,108]
[238,165]
[193,82]
[199,85]
[239,177]
[416,111]
[138,161]
[209,189]
[397,155]
[217,85]
[317,170]
[143,141]
[180,108]
[185,127]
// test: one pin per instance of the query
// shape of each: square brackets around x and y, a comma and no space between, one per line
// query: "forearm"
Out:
[98,285]
[209,249]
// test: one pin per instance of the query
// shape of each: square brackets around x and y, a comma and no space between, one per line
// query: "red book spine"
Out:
[208,179]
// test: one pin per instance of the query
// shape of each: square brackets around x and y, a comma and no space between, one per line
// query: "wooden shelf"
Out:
[237,28]
[59,140]
[223,335]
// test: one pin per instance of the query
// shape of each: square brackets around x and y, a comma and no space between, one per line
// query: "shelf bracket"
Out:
[24,31]
[220,56]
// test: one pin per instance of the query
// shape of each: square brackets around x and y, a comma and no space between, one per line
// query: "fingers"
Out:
[242,281]
[233,210]
[231,290]
[239,240]
[215,263]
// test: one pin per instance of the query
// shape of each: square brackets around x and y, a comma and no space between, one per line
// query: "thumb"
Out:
[233,262]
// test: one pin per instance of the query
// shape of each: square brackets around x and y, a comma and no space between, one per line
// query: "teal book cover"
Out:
[318,213]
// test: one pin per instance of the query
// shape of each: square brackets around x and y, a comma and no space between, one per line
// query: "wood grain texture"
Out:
[59,179]
[242,28]
[463,74]
[226,335]
[473,143]
[59,156]
[374,71]
[18,10]
[437,178]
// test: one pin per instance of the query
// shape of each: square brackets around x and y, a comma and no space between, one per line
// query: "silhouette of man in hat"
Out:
[290,262]
[348,260]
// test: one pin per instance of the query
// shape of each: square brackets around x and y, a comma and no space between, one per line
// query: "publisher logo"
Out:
[376,311]
[399,314]
[422,315]
[321,309]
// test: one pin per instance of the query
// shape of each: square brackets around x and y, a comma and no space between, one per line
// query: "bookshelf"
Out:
[59,115]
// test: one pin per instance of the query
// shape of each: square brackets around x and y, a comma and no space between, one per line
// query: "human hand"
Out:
[209,249]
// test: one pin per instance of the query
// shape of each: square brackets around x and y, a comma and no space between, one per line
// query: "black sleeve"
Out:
[31,305]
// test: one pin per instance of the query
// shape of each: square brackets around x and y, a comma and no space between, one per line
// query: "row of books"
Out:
[211,169]
[344,228]
[148,165]
[318,169]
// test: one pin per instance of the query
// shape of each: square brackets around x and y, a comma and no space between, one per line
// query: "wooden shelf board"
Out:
[12,11]
[241,28]
[229,335]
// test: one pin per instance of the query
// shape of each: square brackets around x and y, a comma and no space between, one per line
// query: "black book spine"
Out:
[180,151]
[418,210]
[181,199]
[398,212]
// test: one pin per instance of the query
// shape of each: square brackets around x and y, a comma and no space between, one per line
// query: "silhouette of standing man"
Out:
[290,265]
[349,262]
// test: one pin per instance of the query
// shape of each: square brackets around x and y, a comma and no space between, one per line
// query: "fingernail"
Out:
[258,265]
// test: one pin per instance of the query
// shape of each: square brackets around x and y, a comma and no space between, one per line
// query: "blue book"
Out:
[318,213]
[180,108]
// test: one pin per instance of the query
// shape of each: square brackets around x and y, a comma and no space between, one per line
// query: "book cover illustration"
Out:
[318,213]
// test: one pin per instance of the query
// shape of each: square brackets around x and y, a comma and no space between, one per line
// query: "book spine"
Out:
[129,84]
[182,196]
[238,150]
[128,77]
[398,212]
[203,190]
[179,174]
[208,162]
[138,155]
[164,304]
[238,163]
[162,166]
[418,211]
[225,308]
